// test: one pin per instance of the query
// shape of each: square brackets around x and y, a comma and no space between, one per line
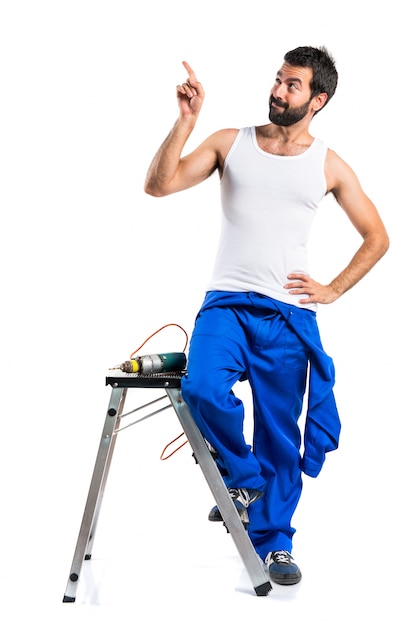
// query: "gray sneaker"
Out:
[242,499]
[282,569]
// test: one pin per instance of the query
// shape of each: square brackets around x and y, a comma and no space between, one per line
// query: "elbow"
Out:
[153,189]
[157,186]
[385,244]
[150,191]
[376,245]
[381,246]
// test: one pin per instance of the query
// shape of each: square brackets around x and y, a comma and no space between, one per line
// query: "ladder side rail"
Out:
[229,513]
[96,491]
[117,402]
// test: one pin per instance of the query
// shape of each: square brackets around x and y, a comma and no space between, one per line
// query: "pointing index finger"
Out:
[192,75]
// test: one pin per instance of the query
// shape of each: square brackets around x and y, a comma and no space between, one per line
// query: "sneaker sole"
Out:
[286,581]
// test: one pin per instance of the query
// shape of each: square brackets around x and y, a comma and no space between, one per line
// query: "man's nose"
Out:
[279,91]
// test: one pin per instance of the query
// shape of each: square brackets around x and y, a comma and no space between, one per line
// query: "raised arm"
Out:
[361,211]
[169,172]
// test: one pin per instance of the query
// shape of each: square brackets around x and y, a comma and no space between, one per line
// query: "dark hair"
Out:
[325,75]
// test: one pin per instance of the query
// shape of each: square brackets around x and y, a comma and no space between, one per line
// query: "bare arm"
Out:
[361,211]
[169,172]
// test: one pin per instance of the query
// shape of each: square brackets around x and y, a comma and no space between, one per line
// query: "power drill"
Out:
[154,364]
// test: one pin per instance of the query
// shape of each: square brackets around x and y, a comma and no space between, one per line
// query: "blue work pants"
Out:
[251,341]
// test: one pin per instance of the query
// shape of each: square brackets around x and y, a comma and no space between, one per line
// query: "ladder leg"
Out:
[95,496]
[229,513]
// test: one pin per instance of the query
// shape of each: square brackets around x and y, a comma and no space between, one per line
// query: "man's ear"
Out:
[319,101]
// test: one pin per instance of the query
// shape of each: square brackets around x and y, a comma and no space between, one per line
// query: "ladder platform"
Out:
[160,380]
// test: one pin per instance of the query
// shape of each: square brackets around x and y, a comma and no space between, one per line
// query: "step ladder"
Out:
[171,384]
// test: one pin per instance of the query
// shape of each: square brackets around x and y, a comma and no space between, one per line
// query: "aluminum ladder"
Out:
[171,384]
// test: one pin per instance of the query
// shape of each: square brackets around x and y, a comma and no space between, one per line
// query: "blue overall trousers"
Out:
[247,336]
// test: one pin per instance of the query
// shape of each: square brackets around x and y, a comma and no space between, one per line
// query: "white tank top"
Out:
[268,206]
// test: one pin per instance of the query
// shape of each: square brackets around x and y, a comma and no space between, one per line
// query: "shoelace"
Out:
[240,494]
[281,557]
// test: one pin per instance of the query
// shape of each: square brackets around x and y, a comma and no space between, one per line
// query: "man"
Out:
[258,319]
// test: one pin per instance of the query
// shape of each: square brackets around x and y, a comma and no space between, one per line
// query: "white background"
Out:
[91,266]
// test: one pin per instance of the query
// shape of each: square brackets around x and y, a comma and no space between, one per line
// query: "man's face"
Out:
[291,96]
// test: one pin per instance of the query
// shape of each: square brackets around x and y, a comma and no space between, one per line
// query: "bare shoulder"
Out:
[221,141]
[337,172]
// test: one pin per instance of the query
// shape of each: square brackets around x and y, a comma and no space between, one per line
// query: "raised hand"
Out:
[190,95]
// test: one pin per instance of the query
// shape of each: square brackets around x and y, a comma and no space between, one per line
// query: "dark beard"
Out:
[289,116]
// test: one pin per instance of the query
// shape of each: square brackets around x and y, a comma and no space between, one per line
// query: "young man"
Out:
[258,319]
